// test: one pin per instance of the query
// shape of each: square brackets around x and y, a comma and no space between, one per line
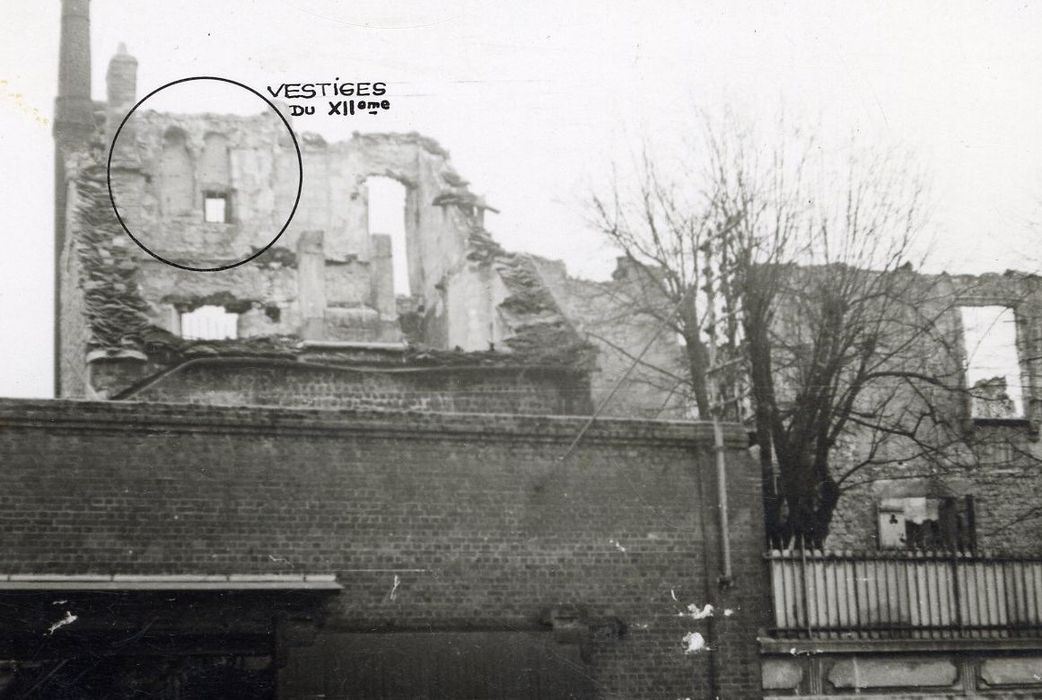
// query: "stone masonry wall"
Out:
[606,315]
[205,191]
[997,462]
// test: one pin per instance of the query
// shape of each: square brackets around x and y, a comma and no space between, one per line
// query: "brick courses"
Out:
[483,524]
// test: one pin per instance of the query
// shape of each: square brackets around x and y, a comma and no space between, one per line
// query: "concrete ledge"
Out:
[1006,695]
[352,345]
[804,647]
[173,582]
[120,415]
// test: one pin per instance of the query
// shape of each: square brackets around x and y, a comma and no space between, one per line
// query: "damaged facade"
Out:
[930,576]
[983,350]
[386,495]
[990,327]
[206,190]
[930,581]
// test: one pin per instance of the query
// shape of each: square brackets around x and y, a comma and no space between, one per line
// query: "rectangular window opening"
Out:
[386,206]
[216,209]
[992,363]
[209,323]
[925,523]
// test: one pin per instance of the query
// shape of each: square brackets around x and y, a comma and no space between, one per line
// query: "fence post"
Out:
[954,559]
[806,595]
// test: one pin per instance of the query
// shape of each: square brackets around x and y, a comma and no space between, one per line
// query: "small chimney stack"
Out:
[121,81]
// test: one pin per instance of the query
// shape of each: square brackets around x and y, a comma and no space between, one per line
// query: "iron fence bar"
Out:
[960,594]
[857,595]
[806,595]
[908,570]
[953,558]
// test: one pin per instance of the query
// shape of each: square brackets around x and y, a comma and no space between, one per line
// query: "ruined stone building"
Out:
[930,582]
[314,320]
[300,477]
[283,479]
[983,350]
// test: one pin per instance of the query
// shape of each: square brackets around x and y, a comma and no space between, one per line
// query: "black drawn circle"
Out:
[296,201]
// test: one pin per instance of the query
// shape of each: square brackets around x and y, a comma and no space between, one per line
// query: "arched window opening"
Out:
[176,181]
[215,177]
[214,169]
[387,216]
[209,323]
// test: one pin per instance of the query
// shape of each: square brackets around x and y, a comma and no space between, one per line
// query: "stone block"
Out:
[892,673]
[781,674]
[1012,671]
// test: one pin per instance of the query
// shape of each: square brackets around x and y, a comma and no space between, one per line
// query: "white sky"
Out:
[535,100]
[990,336]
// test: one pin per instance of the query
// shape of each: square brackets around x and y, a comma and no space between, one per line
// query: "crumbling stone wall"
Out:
[997,461]
[262,185]
[326,279]
[329,227]
[606,314]
[72,323]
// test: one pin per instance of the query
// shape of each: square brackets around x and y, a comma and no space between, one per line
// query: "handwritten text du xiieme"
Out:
[349,97]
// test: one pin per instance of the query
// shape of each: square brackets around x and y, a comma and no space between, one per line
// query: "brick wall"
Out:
[451,389]
[473,520]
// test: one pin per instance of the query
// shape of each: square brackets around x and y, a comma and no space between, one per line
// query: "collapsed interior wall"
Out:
[606,314]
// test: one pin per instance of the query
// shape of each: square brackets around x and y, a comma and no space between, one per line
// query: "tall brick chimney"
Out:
[73,125]
[73,108]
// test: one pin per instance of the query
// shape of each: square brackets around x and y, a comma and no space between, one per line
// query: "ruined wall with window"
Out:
[979,489]
[211,189]
[972,349]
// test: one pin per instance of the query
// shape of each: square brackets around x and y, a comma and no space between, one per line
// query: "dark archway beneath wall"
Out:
[167,677]
[154,640]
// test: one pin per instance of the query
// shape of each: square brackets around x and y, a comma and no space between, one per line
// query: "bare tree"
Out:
[806,290]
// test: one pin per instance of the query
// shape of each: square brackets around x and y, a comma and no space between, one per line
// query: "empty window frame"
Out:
[216,208]
[926,523]
[386,207]
[992,362]
[209,323]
